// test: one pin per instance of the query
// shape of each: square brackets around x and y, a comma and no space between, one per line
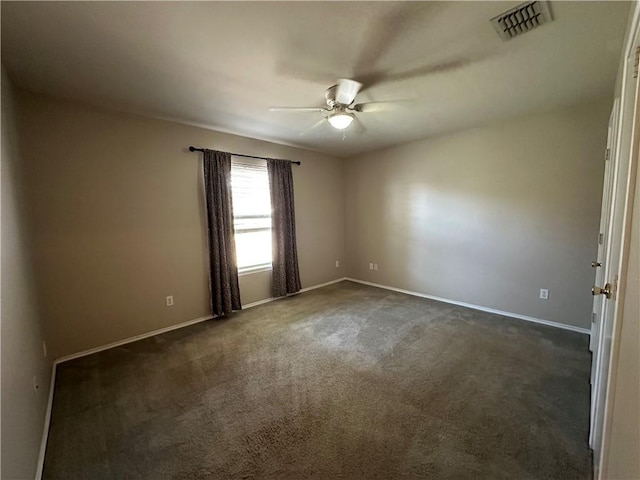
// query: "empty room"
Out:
[319,240]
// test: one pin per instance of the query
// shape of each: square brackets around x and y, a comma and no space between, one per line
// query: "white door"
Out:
[605,217]
[599,263]
[613,227]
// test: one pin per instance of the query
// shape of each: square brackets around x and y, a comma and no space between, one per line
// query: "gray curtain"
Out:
[285,274]
[223,271]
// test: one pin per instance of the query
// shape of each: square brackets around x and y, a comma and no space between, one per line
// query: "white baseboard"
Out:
[135,338]
[323,284]
[267,300]
[142,336]
[259,302]
[478,307]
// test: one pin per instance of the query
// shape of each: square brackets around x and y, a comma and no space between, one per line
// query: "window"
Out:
[251,213]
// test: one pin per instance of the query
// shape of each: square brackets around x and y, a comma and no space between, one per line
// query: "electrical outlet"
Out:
[544,294]
[375,266]
[170,301]
[337,263]
[44,348]
[371,266]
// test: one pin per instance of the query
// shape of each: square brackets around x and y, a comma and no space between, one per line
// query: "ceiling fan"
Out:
[340,107]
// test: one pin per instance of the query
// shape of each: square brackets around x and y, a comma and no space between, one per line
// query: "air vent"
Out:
[521,19]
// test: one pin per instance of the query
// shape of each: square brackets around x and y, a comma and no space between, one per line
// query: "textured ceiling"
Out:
[223,64]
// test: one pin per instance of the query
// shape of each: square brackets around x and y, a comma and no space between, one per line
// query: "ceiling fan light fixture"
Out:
[340,120]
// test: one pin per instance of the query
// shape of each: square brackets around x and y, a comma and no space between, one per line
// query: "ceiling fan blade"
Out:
[378,77]
[313,127]
[347,91]
[385,106]
[297,109]
[386,32]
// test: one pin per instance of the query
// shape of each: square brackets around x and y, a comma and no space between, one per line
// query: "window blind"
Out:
[251,212]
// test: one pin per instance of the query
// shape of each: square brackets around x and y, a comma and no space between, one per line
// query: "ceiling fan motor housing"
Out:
[330,96]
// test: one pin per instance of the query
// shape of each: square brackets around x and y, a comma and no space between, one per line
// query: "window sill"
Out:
[256,269]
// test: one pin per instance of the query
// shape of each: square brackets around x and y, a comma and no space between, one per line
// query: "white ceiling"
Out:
[223,64]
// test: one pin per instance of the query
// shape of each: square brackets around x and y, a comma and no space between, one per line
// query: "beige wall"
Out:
[23,409]
[487,216]
[118,204]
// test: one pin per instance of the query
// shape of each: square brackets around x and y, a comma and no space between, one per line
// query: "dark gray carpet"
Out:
[347,381]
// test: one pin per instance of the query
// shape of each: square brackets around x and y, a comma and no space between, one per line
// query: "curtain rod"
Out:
[196,149]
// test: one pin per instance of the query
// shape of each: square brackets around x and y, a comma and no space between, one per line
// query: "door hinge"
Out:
[600,238]
[593,317]
[607,154]
[636,63]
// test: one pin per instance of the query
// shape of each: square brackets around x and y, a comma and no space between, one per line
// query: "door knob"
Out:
[606,291]
[596,264]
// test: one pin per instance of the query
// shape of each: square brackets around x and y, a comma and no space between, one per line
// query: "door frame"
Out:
[624,178]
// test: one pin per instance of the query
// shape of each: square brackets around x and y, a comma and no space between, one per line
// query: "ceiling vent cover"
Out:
[521,19]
